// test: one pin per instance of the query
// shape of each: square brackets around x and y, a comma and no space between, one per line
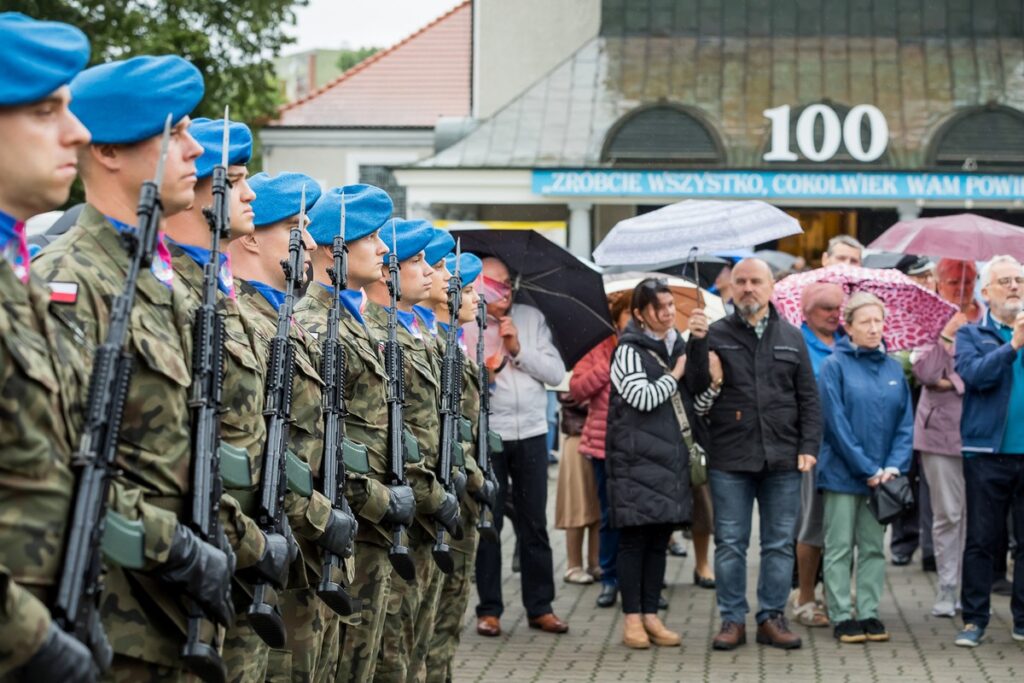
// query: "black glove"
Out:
[273,564]
[401,506]
[448,515]
[459,483]
[340,533]
[487,494]
[203,572]
[61,657]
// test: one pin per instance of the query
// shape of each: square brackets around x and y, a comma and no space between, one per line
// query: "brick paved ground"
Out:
[921,647]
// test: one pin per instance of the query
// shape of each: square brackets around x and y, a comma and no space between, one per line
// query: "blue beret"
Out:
[470,267]
[367,208]
[210,134]
[278,197]
[39,57]
[128,101]
[413,237]
[440,245]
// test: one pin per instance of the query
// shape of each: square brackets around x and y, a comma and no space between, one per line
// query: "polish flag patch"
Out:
[64,292]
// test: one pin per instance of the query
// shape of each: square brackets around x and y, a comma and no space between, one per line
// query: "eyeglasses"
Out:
[1007,281]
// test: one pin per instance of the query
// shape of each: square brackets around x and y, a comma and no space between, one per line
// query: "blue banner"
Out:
[897,185]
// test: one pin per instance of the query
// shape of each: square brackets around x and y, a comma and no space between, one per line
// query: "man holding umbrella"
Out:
[530,360]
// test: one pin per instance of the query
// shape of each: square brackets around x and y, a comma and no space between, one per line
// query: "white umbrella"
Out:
[686,294]
[671,234]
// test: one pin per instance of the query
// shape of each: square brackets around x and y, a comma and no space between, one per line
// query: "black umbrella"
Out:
[568,291]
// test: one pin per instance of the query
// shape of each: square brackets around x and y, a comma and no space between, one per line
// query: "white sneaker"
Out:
[945,602]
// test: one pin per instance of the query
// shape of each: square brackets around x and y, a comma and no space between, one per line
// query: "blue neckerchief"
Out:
[161,264]
[7,229]
[429,317]
[275,297]
[14,245]
[201,255]
[351,299]
[460,335]
[408,321]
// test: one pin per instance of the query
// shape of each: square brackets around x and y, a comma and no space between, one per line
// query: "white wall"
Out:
[516,42]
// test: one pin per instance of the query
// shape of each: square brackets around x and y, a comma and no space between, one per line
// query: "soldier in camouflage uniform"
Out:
[256,261]
[378,505]
[242,426]
[456,587]
[141,607]
[38,136]
[410,607]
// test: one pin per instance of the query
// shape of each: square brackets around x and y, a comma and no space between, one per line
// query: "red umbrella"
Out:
[963,236]
[914,315]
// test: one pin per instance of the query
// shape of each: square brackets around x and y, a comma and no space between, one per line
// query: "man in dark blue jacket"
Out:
[990,361]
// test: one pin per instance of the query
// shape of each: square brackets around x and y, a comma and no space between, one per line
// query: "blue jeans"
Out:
[778,500]
[608,537]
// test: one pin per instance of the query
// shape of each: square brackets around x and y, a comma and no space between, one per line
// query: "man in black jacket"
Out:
[765,428]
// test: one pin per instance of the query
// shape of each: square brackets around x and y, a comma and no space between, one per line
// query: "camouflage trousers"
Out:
[245,653]
[451,610]
[360,643]
[308,656]
[131,670]
[408,609]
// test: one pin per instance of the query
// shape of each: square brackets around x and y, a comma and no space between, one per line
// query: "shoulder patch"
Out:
[63,292]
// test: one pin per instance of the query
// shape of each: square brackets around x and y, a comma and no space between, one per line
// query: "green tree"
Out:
[349,58]
[233,43]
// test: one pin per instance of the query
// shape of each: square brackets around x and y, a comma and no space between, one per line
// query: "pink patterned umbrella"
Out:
[963,236]
[915,316]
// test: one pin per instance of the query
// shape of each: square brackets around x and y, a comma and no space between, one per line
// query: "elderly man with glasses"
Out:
[991,363]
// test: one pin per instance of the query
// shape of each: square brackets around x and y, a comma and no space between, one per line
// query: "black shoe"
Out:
[928,564]
[900,560]
[849,631]
[662,602]
[702,581]
[609,594]
[1002,586]
[874,630]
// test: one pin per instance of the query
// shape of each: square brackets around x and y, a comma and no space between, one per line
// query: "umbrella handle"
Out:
[692,258]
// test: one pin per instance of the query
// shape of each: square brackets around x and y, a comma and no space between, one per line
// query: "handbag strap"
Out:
[677,407]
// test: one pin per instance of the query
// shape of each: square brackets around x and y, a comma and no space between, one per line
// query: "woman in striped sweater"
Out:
[647,457]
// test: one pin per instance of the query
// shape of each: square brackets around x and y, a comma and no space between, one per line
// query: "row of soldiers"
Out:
[292,492]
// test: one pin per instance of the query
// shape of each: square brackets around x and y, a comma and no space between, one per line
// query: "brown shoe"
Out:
[633,633]
[775,631]
[659,634]
[730,637]
[549,623]
[488,626]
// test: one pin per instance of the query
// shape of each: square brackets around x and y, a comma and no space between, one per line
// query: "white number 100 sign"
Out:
[833,133]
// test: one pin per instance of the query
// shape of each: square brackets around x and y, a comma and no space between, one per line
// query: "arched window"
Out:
[988,139]
[662,134]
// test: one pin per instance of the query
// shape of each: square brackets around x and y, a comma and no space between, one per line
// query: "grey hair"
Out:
[986,272]
[858,301]
[846,240]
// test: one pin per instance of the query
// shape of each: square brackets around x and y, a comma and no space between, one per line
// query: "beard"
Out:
[1007,310]
[747,310]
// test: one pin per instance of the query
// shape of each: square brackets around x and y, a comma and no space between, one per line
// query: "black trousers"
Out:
[642,566]
[994,485]
[526,463]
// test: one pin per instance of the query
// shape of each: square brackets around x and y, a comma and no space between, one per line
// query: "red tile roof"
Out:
[411,84]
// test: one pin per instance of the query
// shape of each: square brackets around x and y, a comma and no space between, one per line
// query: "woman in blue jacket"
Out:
[868,439]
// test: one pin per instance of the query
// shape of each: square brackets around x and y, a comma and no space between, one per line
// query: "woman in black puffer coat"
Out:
[646,455]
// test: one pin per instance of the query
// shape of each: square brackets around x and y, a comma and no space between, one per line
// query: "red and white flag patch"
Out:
[64,292]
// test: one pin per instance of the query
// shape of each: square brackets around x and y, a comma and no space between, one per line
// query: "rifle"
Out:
[394,365]
[483,456]
[75,609]
[207,382]
[451,391]
[264,614]
[332,371]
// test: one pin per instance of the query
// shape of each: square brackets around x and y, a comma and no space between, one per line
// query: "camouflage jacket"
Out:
[366,415]
[421,412]
[154,451]
[308,515]
[241,420]
[36,482]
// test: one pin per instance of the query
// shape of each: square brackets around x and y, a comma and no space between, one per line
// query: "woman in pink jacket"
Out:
[937,432]
[591,384]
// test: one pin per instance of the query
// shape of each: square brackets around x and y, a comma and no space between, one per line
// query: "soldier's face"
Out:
[439,284]
[365,259]
[470,300]
[241,202]
[139,162]
[415,279]
[38,154]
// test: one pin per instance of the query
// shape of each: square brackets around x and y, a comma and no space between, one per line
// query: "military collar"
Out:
[201,256]
[353,301]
